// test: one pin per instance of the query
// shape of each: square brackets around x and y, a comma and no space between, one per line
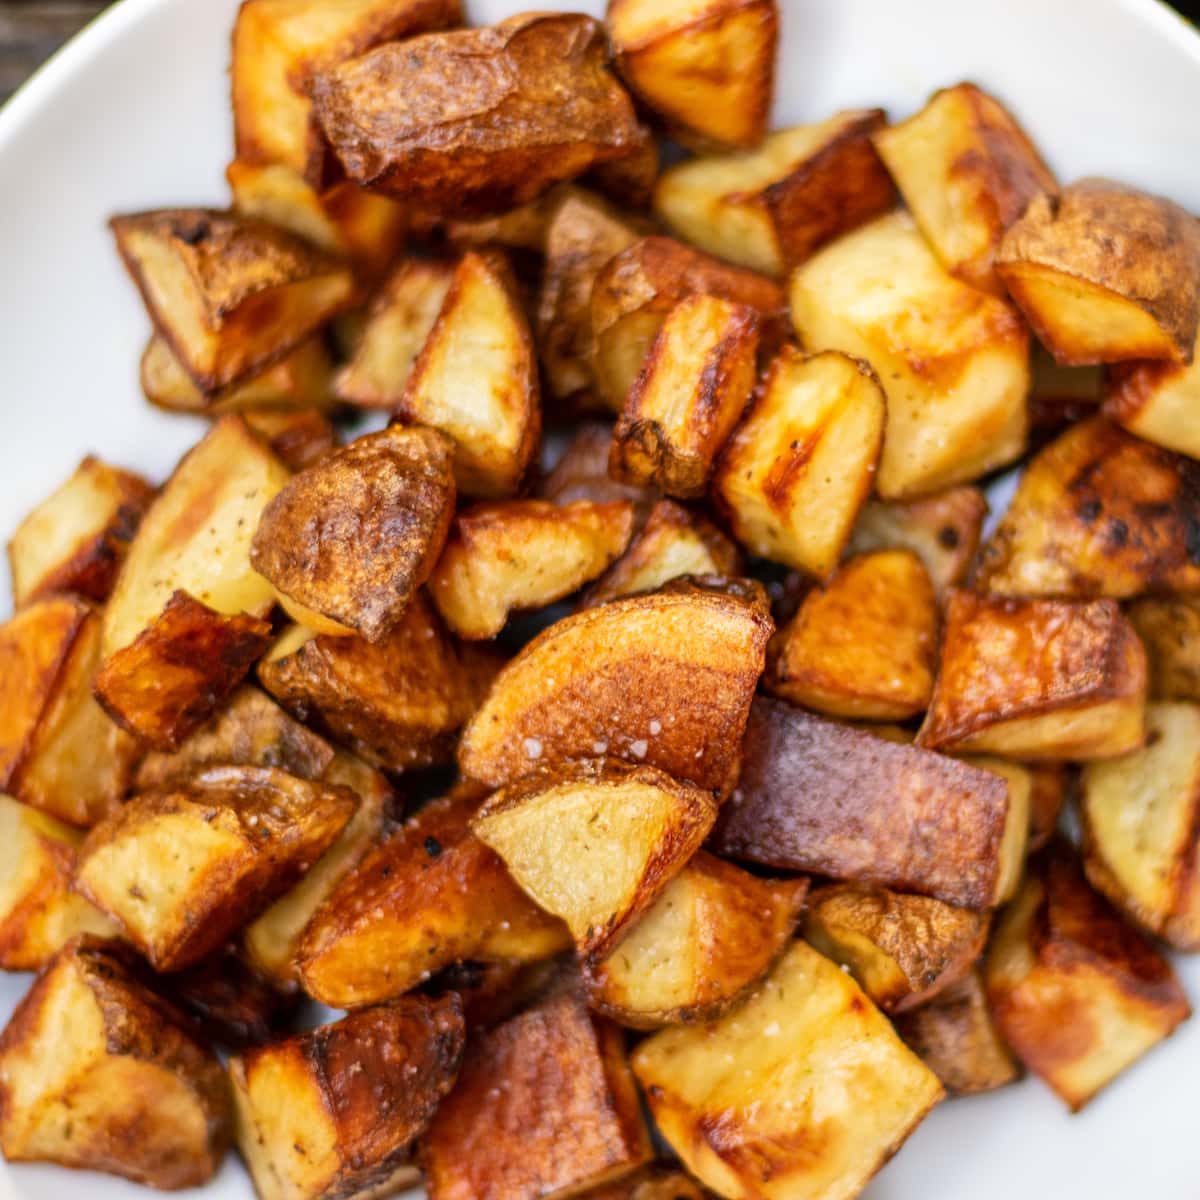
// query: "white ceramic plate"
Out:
[134,113]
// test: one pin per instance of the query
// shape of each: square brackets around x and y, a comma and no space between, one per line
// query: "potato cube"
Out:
[1037,679]
[807,1062]
[1169,627]
[297,437]
[953,360]
[582,473]
[98,1072]
[798,469]
[1158,401]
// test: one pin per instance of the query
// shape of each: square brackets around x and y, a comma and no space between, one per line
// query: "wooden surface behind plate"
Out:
[31,30]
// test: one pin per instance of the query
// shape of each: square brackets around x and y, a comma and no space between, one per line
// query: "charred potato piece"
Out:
[75,540]
[903,950]
[352,538]
[99,1072]
[1037,679]
[807,1061]
[183,868]
[335,1112]
[692,388]
[709,937]
[228,1001]
[663,679]
[1169,627]
[1158,401]
[478,120]
[1077,993]
[545,1105]
[799,467]
[229,295]
[1049,785]
[1104,273]
[828,799]
[771,208]
[430,895]
[597,844]
[298,438]
[966,170]
[707,67]
[520,554]
[1098,512]
[862,646]
[582,473]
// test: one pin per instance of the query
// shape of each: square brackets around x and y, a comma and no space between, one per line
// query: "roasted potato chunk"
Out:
[954,361]
[75,540]
[863,645]
[335,1112]
[98,1072]
[1098,512]
[966,170]
[1158,401]
[903,950]
[478,120]
[1104,273]
[181,869]
[298,438]
[476,379]
[706,66]
[545,1105]
[797,470]
[656,1182]
[807,1061]
[1037,679]
[582,473]
[773,207]
[664,680]
[693,386]
[430,895]
[596,844]
[710,936]
[832,800]
[519,554]
[229,295]
[1077,993]
[1169,627]
[353,537]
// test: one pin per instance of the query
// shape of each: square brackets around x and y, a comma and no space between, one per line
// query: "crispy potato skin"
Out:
[1169,627]
[832,800]
[479,120]
[1007,663]
[97,1071]
[545,1104]
[229,1002]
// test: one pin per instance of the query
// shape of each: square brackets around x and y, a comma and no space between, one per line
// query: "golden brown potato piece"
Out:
[39,913]
[955,1036]
[902,949]
[181,869]
[1158,401]
[229,295]
[476,379]
[802,1093]
[863,645]
[1104,273]
[582,473]
[664,680]
[942,530]
[75,540]
[478,120]
[1077,993]
[519,554]
[99,1072]
[953,360]
[352,538]
[1098,512]
[277,47]
[1049,785]
[431,895]
[1169,627]
[832,800]
[710,936]
[545,1105]
[402,313]
[1037,679]
[1140,822]
[798,469]
[773,207]
[707,67]
[632,295]
[966,170]
[335,1112]
[596,844]
[694,384]
[298,437]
